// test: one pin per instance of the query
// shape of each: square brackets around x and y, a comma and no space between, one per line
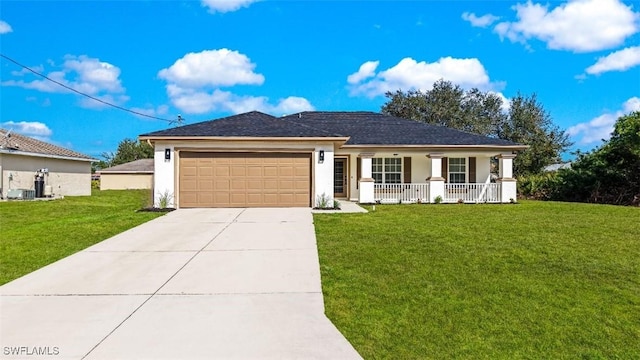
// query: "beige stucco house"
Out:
[258,160]
[136,174]
[65,172]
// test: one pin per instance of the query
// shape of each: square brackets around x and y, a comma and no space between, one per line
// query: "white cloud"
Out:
[194,82]
[212,68]
[409,74]
[82,73]
[367,70]
[620,60]
[591,132]
[5,28]
[223,6]
[201,101]
[32,129]
[578,25]
[479,21]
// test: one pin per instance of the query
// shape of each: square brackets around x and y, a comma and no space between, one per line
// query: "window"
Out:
[457,170]
[386,170]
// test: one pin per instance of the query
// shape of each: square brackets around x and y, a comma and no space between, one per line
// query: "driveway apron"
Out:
[194,284]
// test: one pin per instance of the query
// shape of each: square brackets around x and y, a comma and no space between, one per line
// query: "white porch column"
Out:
[366,194]
[508,188]
[436,181]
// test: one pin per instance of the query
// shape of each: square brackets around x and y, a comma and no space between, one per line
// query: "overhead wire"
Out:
[179,120]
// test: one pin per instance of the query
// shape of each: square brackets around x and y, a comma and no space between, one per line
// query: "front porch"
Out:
[450,178]
[453,193]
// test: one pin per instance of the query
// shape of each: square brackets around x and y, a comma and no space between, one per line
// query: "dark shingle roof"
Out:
[136,166]
[251,124]
[16,142]
[362,128]
[369,128]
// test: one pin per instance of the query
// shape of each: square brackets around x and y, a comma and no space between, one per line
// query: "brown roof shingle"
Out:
[10,141]
[136,166]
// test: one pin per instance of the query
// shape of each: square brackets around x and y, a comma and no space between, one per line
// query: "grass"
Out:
[534,280]
[36,233]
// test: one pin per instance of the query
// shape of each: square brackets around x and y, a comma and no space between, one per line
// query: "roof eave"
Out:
[124,172]
[435,147]
[49,156]
[244,138]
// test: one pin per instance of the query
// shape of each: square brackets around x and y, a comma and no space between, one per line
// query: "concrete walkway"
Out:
[194,284]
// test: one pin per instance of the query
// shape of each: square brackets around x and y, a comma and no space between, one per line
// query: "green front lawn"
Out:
[36,233]
[534,280]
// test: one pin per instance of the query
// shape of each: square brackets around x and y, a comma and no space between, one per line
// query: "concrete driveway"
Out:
[194,284]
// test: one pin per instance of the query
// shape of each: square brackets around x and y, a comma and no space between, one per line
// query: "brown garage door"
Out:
[244,179]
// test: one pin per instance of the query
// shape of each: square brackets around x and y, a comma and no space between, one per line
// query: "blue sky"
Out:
[213,58]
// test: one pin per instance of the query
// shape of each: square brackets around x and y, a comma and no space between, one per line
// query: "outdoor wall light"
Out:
[167,154]
[321,155]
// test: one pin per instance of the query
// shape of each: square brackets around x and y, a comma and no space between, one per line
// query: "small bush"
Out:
[538,186]
[165,199]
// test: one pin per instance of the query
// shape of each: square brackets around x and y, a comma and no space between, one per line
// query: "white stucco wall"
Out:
[323,172]
[483,169]
[164,174]
[66,177]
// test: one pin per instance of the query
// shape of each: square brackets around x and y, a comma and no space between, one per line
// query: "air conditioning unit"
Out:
[21,194]
[48,191]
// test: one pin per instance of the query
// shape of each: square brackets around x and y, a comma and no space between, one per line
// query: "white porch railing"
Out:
[472,193]
[401,193]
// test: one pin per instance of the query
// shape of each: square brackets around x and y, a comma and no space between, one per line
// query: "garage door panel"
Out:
[301,186]
[254,171]
[300,171]
[270,198]
[254,185]
[222,185]
[239,185]
[204,185]
[270,184]
[238,171]
[270,171]
[244,179]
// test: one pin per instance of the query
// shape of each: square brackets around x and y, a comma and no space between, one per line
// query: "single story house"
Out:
[64,171]
[258,160]
[137,174]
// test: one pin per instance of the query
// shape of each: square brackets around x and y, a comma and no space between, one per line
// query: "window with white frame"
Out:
[386,170]
[457,170]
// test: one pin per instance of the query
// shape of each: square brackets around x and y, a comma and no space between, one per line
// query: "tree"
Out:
[530,124]
[481,112]
[449,105]
[128,150]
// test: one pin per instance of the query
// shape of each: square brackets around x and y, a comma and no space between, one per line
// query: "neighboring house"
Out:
[556,167]
[256,160]
[65,172]
[136,174]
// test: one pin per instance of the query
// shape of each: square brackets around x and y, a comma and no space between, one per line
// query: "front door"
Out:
[340,178]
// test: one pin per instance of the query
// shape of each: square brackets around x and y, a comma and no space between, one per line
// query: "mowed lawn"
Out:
[536,280]
[36,233]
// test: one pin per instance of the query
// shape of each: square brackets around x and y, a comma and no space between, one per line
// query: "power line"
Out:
[178,121]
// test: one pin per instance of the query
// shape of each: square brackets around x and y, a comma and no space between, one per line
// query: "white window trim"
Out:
[466,170]
[383,173]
